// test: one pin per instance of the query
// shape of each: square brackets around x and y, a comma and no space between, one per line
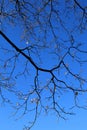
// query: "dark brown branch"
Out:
[26,56]
[77,3]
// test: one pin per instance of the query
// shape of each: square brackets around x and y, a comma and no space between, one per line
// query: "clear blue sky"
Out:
[44,122]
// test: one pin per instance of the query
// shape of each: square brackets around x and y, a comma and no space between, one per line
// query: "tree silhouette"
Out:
[51,56]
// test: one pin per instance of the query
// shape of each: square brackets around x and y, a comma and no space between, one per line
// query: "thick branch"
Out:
[26,56]
[21,52]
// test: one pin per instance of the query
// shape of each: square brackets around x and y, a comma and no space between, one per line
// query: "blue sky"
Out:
[45,121]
